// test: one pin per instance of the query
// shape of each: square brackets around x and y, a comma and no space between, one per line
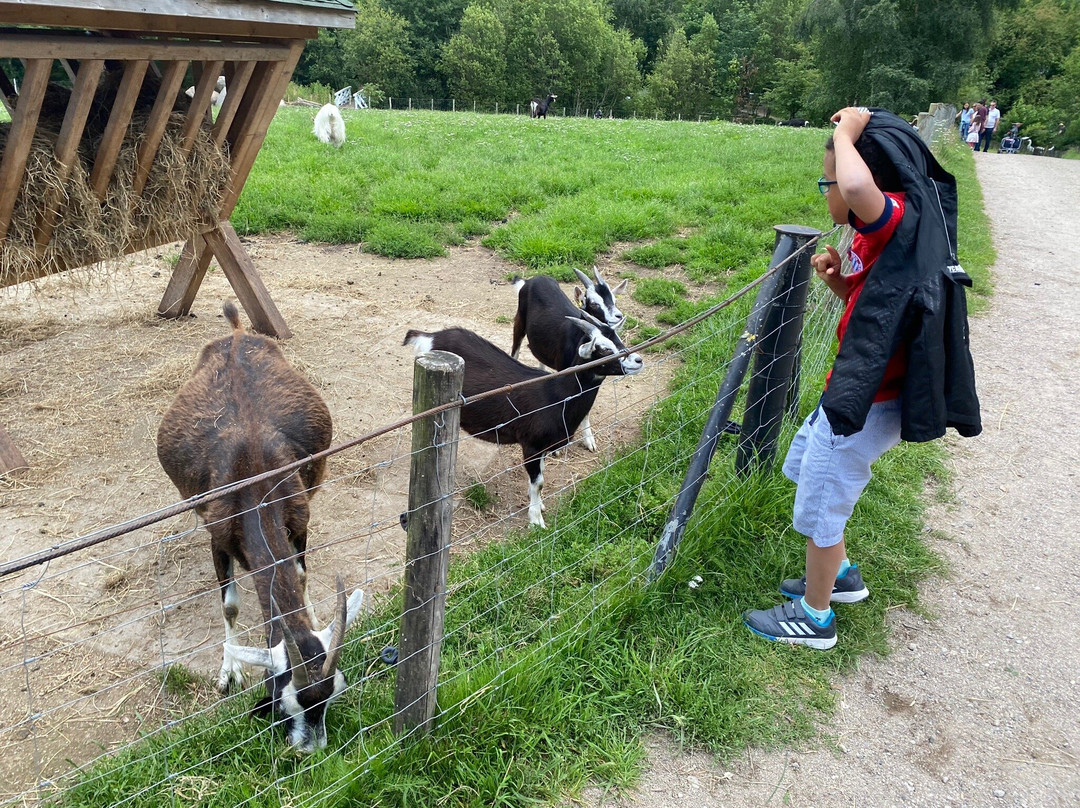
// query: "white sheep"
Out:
[330,126]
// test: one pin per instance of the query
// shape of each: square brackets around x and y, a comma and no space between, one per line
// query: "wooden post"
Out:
[437,379]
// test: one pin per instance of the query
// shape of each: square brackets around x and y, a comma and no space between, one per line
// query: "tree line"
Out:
[717,58]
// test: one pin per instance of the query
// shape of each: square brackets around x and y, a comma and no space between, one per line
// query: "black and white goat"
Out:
[540,417]
[538,108]
[545,316]
[243,412]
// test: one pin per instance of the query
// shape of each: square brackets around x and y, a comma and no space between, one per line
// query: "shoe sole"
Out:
[836,597]
[818,643]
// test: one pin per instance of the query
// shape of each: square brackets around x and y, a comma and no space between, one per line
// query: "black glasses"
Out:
[824,184]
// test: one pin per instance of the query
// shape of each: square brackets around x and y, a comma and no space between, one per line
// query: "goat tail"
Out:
[517,282]
[421,341]
[232,315]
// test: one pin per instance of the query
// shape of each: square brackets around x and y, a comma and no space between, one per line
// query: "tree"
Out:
[895,53]
[474,59]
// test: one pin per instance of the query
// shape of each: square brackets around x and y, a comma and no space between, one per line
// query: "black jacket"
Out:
[913,296]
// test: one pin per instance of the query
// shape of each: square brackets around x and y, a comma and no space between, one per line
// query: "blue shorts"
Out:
[831,471]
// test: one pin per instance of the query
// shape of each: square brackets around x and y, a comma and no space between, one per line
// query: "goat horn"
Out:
[584,278]
[337,636]
[590,319]
[292,650]
[599,278]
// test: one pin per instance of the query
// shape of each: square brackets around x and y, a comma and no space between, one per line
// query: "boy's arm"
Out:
[853,178]
[827,267]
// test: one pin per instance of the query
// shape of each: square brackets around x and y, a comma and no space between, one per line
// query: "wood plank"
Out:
[245,281]
[186,279]
[269,89]
[51,46]
[67,144]
[155,125]
[235,87]
[115,130]
[20,136]
[179,16]
[200,103]
[11,460]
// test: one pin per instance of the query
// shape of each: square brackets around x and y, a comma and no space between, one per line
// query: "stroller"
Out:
[1010,144]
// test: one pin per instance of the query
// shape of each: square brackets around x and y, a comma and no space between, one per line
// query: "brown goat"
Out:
[246,411]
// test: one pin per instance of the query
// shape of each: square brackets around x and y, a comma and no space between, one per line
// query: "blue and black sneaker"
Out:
[789,623]
[849,587]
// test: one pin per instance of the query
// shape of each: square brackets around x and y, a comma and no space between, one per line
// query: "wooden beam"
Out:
[20,136]
[119,119]
[67,144]
[245,281]
[269,86]
[175,16]
[235,86]
[186,279]
[51,46]
[200,103]
[11,460]
[156,123]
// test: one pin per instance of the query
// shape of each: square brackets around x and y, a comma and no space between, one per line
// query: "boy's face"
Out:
[838,208]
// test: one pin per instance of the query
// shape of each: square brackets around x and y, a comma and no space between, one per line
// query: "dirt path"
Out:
[978,707]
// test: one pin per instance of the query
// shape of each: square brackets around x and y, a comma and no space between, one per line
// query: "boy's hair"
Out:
[886,177]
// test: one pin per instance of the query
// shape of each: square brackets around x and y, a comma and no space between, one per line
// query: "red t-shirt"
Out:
[869,241]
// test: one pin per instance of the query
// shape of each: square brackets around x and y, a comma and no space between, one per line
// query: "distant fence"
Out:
[111,647]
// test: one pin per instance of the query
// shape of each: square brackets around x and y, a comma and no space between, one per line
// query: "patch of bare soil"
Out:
[977,705]
[86,371]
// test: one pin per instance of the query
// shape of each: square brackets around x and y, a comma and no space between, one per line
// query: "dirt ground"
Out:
[977,706]
[86,372]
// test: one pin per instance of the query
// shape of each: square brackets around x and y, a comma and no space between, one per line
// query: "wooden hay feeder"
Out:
[125,123]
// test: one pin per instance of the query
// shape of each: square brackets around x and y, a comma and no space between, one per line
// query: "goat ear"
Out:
[584,278]
[621,286]
[352,611]
[356,601]
[256,657]
[579,295]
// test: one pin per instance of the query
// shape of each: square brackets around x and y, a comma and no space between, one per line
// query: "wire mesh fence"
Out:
[110,656]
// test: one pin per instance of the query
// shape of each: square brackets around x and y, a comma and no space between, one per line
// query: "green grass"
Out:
[551,196]
[558,659]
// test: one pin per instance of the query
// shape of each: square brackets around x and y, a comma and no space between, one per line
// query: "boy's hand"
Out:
[851,121]
[826,264]
[827,267]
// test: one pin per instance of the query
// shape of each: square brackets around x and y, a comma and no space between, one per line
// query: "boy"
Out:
[912,317]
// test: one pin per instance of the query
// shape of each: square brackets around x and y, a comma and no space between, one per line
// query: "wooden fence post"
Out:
[437,379]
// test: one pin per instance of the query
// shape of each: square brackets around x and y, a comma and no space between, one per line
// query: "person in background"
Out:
[993,115]
[964,116]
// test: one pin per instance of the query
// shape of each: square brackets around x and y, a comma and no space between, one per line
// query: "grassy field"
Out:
[558,660]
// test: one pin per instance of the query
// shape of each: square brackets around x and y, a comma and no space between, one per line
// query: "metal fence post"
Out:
[725,398]
[771,382]
[437,378]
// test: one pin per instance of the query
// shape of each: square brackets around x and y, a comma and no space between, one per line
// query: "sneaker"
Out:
[849,588]
[789,623]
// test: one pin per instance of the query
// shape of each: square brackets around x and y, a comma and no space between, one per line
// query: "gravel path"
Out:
[980,706]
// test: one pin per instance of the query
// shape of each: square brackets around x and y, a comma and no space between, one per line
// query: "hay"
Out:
[182,196]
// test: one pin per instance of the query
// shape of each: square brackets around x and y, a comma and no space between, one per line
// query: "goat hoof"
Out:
[590,445]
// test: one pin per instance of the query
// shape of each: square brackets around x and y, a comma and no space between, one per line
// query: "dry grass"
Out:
[182,194]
